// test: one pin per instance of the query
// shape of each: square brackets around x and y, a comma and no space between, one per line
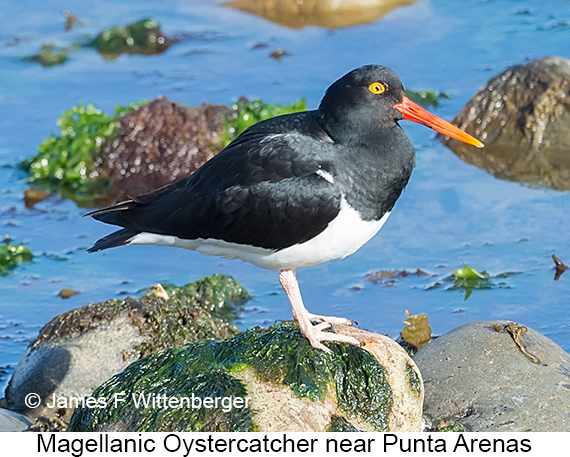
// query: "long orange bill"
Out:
[416,113]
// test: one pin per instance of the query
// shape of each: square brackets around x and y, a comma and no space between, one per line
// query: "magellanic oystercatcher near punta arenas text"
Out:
[292,191]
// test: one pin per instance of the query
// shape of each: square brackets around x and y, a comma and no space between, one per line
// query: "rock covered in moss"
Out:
[141,37]
[65,161]
[523,117]
[99,159]
[78,350]
[49,56]
[263,380]
[496,376]
[11,255]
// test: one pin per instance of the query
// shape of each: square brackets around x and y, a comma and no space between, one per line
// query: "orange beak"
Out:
[414,112]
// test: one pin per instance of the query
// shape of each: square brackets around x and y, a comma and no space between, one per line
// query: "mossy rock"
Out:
[11,255]
[98,159]
[142,37]
[78,350]
[270,380]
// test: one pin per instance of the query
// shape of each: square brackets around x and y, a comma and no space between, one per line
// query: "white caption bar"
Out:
[247,444]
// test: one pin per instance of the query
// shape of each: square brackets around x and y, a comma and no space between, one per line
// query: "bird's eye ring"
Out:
[377,88]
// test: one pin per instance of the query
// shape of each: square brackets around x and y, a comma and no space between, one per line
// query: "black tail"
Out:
[112,214]
[118,238]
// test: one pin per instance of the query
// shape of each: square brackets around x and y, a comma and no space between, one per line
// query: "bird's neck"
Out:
[376,172]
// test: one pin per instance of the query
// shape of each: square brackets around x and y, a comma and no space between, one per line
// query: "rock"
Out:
[141,37]
[78,350]
[523,117]
[324,13]
[495,377]
[271,380]
[12,422]
[158,143]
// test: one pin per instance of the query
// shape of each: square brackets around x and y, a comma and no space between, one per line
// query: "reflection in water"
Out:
[523,117]
[331,14]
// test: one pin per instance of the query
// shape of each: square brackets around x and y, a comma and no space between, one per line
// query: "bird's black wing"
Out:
[266,189]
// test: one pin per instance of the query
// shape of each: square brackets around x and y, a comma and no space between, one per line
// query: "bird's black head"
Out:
[364,105]
[361,102]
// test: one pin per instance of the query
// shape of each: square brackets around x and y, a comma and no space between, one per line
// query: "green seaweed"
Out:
[209,305]
[247,113]
[166,374]
[64,162]
[451,426]
[279,354]
[468,279]
[340,424]
[427,97]
[50,55]
[218,294]
[141,37]
[414,381]
[11,255]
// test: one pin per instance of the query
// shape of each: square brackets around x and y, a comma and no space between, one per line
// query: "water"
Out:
[450,213]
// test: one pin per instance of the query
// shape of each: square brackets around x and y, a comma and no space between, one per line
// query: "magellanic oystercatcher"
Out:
[292,191]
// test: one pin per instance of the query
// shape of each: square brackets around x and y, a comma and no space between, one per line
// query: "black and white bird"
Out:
[292,191]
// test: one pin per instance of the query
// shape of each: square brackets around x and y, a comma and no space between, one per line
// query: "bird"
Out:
[292,191]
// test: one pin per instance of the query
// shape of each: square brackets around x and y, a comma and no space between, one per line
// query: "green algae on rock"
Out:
[64,162]
[141,37]
[426,98]
[101,159]
[50,55]
[414,380]
[165,317]
[247,113]
[11,255]
[350,384]
[340,424]
[218,294]
[78,350]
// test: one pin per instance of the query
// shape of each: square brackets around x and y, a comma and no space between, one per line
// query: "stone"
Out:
[78,350]
[13,422]
[280,383]
[496,376]
[157,144]
[523,117]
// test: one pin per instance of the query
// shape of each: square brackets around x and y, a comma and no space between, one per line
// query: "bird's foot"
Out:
[332,319]
[315,335]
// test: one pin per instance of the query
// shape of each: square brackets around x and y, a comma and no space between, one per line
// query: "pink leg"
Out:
[314,333]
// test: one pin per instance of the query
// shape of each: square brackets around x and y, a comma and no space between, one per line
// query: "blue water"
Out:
[450,213]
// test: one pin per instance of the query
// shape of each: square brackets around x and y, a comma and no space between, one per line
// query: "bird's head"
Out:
[373,96]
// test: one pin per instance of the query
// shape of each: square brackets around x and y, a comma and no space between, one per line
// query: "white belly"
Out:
[342,237]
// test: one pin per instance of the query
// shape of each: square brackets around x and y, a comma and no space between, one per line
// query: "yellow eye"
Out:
[376,88]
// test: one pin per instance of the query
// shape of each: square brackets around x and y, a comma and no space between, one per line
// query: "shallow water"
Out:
[450,213]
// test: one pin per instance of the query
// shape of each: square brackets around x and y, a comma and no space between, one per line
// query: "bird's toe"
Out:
[332,319]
